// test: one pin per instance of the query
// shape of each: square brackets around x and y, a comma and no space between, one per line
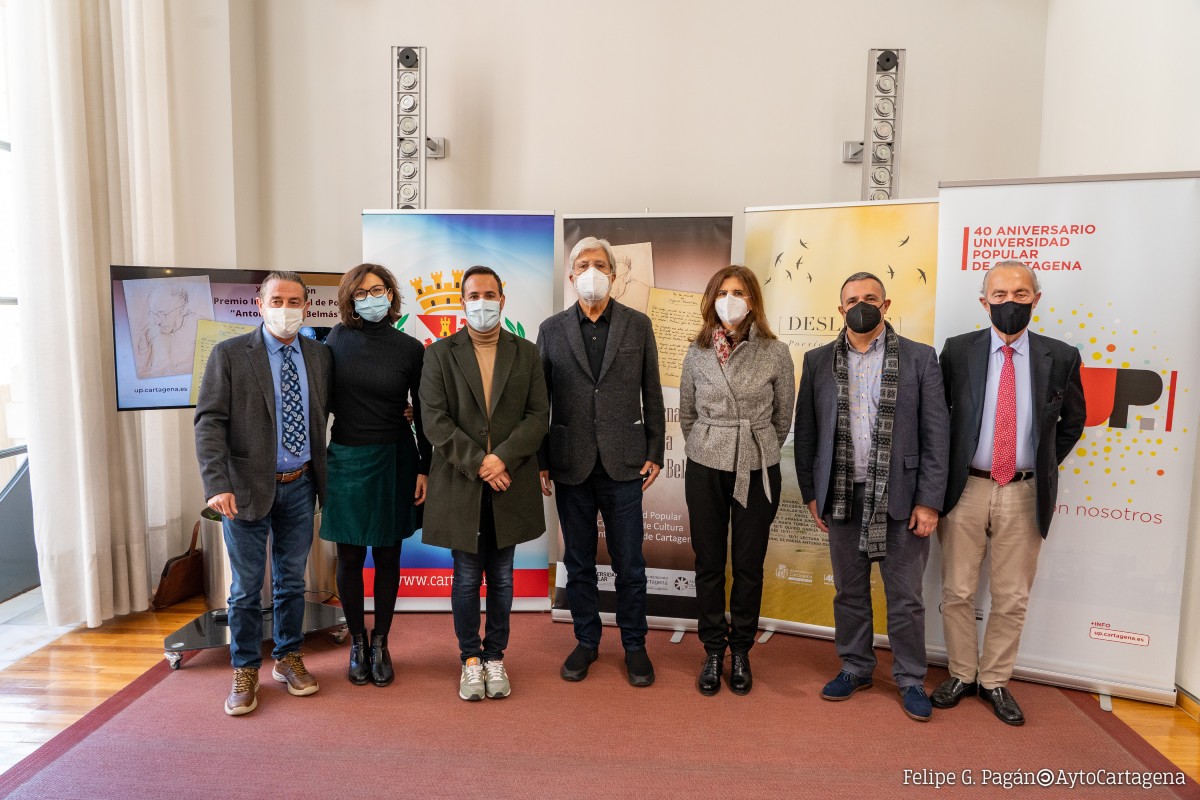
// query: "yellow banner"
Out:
[803,255]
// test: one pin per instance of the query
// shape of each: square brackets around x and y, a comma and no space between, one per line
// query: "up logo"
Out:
[1110,393]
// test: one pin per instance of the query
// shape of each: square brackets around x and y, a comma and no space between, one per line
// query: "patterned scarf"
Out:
[723,343]
[873,536]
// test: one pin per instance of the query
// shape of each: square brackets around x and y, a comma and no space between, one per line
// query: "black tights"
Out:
[351,558]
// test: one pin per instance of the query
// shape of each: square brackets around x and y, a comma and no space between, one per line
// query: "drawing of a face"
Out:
[167,308]
[622,275]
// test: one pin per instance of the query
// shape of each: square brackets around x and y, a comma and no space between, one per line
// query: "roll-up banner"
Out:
[663,263]
[1116,256]
[802,255]
[428,251]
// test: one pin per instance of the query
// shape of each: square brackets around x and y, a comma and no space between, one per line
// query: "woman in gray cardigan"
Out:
[736,397]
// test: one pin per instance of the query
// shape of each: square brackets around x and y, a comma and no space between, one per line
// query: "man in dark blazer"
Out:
[483,402]
[260,439]
[605,448]
[1016,410]
[871,442]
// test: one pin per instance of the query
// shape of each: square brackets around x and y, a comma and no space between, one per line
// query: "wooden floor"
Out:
[47,691]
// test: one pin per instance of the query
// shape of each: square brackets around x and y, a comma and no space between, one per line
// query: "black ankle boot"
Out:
[381,661]
[359,666]
[740,679]
[709,682]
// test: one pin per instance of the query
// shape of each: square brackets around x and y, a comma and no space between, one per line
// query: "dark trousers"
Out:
[903,571]
[469,570]
[712,510]
[620,504]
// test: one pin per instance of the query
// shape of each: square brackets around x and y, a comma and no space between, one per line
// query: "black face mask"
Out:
[1012,317]
[863,317]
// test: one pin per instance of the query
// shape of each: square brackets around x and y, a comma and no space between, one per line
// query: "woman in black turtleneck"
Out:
[377,461]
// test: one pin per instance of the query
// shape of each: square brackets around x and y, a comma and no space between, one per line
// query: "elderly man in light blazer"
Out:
[483,402]
[604,449]
[872,449]
[260,439]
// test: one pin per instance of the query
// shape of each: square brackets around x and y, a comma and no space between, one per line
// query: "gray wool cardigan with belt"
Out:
[736,417]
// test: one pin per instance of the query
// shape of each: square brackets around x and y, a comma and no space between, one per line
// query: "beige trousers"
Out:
[1007,516]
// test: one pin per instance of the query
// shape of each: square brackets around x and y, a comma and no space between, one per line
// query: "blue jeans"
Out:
[469,569]
[620,504]
[290,528]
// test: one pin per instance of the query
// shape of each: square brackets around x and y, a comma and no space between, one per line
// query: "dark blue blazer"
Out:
[1057,400]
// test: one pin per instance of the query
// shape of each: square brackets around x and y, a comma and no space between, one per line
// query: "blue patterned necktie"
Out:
[293,405]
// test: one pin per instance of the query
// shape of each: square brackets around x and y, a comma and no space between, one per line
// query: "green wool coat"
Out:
[457,427]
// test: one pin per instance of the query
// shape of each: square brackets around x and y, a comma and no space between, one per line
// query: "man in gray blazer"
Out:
[872,445]
[605,448]
[260,439]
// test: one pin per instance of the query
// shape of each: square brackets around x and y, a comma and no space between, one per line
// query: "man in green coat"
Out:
[484,405]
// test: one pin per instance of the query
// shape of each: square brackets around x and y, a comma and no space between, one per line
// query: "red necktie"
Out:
[1004,442]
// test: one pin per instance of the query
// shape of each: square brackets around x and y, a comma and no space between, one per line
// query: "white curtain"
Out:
[92,173]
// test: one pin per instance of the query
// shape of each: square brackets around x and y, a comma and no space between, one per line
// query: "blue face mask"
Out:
[373,309]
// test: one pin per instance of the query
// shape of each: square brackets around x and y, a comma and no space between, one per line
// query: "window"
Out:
[11,408]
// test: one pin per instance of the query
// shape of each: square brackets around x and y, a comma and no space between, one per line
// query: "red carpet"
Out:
[167,736]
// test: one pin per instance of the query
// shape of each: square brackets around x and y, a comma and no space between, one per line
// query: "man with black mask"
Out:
[1016,410]
[872,439]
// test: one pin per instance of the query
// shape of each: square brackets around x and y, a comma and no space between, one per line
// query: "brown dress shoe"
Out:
[290,670]
[243,697]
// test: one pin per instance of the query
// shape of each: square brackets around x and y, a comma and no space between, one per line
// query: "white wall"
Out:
[1120,90]
[1120,97]
[699,106]
[215,174]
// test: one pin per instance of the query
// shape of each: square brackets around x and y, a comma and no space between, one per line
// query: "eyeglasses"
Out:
[583,266]
[378,290]
[159,316]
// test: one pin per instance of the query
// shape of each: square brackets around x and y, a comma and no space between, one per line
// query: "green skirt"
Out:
[369,494]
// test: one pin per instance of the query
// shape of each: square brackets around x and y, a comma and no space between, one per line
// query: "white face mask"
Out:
[283,323]
[732,309]
[592,285]
[482,315]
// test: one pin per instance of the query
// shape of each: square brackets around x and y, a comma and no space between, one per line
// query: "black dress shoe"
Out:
[575,668]
[740,679]
[709,682]
[360,666]
[1004,704]
[381,661]
[639,668]
[951,691]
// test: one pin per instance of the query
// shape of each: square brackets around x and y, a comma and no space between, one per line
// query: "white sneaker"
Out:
[496,679]
[470,685]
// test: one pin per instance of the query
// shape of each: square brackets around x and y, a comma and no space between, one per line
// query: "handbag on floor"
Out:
[182,576]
